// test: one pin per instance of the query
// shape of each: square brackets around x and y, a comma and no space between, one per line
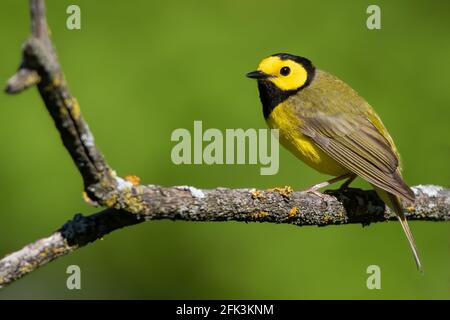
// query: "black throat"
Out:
[271,96]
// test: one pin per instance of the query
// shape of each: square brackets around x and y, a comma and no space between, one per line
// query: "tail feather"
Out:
[401,217]
[394,203]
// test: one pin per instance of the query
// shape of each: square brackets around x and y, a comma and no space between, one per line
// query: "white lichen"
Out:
[88,140]
[123,184]
[429,190]
[196,193]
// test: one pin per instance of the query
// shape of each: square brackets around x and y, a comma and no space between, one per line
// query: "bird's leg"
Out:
[349,176]
[314,189]
[345,185]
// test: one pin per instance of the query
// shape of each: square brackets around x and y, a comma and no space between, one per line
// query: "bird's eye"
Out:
[285,71]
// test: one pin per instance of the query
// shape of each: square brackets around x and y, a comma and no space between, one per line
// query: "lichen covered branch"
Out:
[74,234]
[40,66]
[279,205]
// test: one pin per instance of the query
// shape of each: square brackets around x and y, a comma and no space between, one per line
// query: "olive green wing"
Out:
[357,144]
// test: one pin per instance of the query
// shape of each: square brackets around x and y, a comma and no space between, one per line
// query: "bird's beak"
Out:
[257,75]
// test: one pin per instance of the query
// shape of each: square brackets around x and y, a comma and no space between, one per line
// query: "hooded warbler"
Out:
[327,125]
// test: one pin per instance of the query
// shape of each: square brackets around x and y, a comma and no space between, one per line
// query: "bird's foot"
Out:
[323,196]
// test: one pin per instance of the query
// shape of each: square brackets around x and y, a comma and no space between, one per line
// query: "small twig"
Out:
[22,80]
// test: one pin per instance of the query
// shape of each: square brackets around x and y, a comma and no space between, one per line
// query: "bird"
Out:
[326,124]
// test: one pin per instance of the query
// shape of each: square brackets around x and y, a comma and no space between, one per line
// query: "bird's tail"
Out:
[394,203]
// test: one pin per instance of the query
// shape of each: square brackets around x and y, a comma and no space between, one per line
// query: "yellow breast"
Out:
[301,146]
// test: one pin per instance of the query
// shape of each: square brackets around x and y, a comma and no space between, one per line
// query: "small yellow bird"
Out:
[327,125]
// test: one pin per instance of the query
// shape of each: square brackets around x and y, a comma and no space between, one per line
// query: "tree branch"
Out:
[40,66]
[129,203]
[247,205]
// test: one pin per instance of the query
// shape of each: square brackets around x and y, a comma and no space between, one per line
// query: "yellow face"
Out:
[285,74]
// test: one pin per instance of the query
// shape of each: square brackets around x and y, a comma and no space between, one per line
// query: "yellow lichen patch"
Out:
[32,78]
[26,268]
[89,200]
[63,110]
[135,180]
[410,208]
[57,81]
[111,201]
[44,253]
[340,215]
[285,191]
[133,203]
[259,215]
[73,107]
[293,212]
[75,110]
[257,195]
[112,173]
[58,251]
[327,218]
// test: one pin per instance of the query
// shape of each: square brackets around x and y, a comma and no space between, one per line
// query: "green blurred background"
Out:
[141,69]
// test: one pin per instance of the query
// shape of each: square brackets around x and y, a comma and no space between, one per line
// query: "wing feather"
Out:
[358,146]
[346,128]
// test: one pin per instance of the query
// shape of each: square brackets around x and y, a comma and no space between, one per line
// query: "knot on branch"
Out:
[39,61]
[80,230]
[23,79]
